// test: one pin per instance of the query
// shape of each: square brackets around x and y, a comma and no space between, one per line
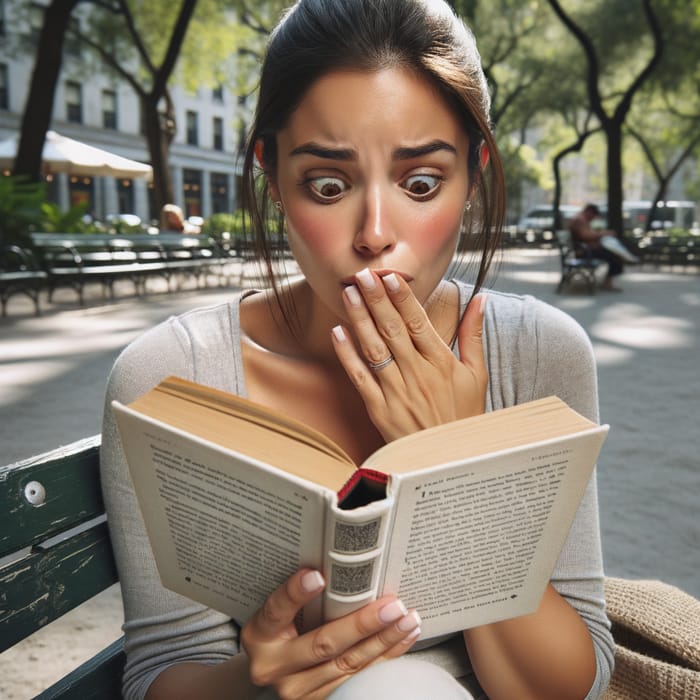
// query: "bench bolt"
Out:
[35,493]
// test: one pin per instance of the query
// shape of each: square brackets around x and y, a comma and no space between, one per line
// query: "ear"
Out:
[259,153]
[271,186]
[484,155]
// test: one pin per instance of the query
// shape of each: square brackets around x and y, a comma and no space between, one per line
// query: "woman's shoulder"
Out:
[193,345]
[523,315]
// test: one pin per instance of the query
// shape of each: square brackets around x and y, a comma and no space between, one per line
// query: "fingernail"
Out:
[353,295]
[412,636]
[392,611]
[409,622]
[338,333]
[483,298]
[392,282]
[312,581]
[364,277]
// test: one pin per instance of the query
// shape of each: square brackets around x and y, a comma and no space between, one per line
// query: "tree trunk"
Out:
[158,146]
[38,109]
[613,132]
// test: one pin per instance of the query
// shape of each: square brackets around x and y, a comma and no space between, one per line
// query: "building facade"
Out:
[99,109]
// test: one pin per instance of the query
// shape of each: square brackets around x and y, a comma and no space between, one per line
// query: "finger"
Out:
[470,336]
[387,643]
[396,651]
[280,608]
[414,318]
[355,366]
[307,652]
[374,320]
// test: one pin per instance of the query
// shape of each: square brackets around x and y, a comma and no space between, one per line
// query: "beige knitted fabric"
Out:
[657,635]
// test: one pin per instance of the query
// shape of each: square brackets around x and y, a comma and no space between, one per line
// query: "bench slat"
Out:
[99,677]
[49,581]
[70,479]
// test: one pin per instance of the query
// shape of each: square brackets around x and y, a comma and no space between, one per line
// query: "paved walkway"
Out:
[647,343]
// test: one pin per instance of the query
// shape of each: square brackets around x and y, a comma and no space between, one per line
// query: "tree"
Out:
[36,118]
[142,43]
[156,104]
[505,30]
[666,123]
[612,119]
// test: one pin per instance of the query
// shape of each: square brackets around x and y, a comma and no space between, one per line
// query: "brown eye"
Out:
[421,186]
[327,188]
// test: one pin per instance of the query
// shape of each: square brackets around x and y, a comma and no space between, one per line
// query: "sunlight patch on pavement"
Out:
[628,325]
[610,355]
[543,277]
[21,379]
[94,339]
[690,299]
[577,303]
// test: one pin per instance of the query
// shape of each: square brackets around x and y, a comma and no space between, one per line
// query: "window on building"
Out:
[74,102]
[218,133]
[4,87]
[2,17]
[192,190]
[219,193]
[192,128]
[125,195]
[217,93]
[81,192]
[109,109]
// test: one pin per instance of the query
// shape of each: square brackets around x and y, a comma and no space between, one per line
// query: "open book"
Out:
[464,521]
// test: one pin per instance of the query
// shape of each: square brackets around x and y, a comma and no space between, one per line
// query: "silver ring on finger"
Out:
[376,366]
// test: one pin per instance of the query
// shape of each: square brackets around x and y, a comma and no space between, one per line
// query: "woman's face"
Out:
[372,172]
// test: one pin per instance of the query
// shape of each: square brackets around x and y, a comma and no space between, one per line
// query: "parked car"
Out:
[541,218]
[668,214]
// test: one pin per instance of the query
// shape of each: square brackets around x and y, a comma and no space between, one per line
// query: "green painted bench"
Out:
[74,260]
[55,554]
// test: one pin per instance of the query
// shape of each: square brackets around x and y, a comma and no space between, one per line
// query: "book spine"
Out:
[355,547]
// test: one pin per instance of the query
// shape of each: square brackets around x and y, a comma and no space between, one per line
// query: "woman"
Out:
[372,136]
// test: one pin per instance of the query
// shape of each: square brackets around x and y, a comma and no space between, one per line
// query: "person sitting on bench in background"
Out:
[603,244]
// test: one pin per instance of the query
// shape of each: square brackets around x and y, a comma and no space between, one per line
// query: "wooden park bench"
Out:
[75,260]
[20,274]
[576,263]
[55,553]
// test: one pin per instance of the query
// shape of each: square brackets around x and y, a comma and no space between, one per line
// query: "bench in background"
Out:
[20,274]
[75,260]
[576,264]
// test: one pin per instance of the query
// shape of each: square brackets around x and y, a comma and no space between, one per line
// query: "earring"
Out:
[468,205]
[279,206]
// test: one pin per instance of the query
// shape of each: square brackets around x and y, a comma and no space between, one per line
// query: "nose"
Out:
[376,232]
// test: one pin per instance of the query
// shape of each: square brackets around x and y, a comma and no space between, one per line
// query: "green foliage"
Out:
[54,220]
[20,209]
[117,225]
[219,224]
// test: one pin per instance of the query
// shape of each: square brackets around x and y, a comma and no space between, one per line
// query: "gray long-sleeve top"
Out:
[532,350]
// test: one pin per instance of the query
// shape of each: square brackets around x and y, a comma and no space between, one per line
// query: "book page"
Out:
[222,419]
[226,530]
[495,431]
[476,542]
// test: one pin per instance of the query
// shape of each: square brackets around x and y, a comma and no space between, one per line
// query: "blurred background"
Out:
[592,101]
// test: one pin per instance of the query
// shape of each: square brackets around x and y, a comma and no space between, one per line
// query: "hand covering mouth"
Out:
[380,272]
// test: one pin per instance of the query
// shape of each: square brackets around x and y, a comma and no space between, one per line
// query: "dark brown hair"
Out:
[316,37]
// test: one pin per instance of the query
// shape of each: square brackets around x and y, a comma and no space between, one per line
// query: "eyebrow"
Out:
[407,152]
[347,154]
[315,149]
